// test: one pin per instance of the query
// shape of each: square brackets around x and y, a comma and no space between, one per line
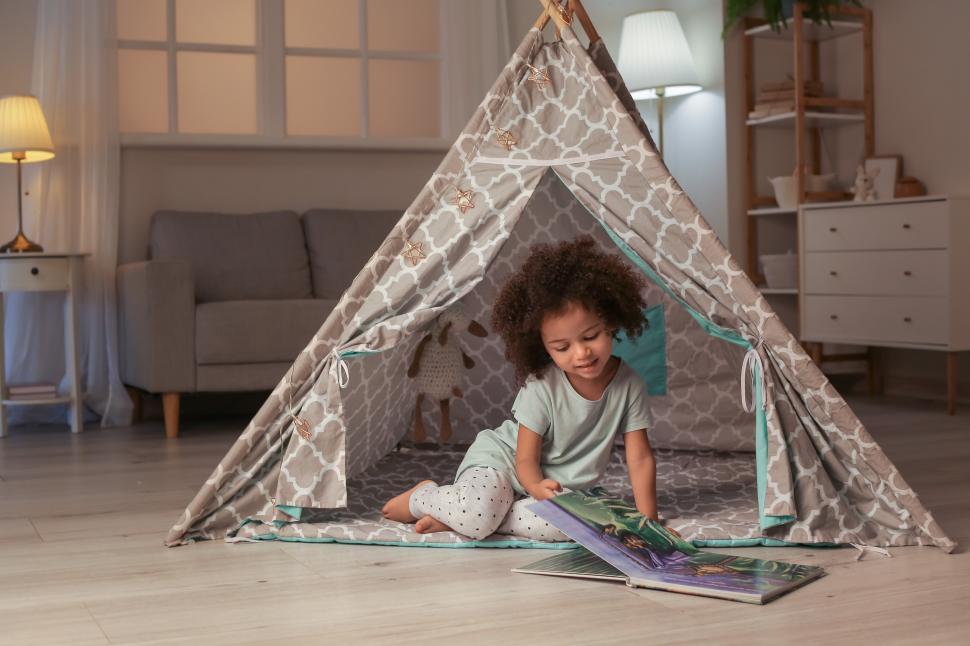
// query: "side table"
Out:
[44,272]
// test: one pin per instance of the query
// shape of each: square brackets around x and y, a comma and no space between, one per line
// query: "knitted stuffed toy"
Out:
[437,368]
[864,189]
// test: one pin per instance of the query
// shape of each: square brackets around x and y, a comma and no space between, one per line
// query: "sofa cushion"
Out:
[228,377]
[235,257]
[340,243]
[257,331]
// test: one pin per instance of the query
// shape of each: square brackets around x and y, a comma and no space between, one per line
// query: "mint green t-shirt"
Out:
[577,434]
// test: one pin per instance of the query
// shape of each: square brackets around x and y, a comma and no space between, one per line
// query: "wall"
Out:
[237,180]
[246,181]
[922,91]
[694,126]
[250,180]
[921,99]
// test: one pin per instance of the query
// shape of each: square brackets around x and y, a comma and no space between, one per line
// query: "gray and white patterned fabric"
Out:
[705,495]
[581,162]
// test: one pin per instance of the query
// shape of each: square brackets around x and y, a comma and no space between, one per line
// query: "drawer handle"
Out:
[833,273]
[906,226]
[907,273]
[834,317]
[833,229]
[907,319]
[34,271]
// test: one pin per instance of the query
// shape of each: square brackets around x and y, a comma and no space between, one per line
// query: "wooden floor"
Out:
[81,561]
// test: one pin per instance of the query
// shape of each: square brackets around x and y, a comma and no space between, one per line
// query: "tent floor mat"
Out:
[704,495]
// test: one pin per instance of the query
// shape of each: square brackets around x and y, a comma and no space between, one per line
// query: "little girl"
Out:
[557,316]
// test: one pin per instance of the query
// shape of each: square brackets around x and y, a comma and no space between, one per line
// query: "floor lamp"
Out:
[655,61]
[24,138]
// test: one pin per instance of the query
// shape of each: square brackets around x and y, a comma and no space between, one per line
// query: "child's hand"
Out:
[546,489]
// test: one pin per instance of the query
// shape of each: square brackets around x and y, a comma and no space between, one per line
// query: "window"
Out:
[357,73]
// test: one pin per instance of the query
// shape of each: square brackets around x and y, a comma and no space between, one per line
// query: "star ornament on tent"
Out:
[413,253]
[539,76]
[463,200]
[302,427]
[505,138]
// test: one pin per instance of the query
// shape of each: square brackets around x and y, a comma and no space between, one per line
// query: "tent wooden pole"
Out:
[573,6]
[577,7]
[569,19]
[552,10]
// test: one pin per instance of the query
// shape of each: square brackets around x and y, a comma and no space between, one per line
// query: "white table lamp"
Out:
[655,61]
[24,138]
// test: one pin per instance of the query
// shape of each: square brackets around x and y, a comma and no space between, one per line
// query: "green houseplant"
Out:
[776,11]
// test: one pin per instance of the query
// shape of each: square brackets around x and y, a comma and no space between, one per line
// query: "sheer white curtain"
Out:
[73,205]
[478,47]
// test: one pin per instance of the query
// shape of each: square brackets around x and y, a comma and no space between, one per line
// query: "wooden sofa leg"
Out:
[170,408]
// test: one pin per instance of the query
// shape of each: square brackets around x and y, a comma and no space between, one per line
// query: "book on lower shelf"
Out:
[620,544]
[31,391]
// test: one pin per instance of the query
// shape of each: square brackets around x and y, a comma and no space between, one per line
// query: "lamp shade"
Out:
[654,54]
[23,129]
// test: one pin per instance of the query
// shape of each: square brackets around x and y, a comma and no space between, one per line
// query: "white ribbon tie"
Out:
[341,368]
[752,361]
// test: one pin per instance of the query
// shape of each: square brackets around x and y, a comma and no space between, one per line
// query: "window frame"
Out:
[270,53]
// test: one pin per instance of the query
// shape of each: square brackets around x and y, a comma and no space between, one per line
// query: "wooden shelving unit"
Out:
[809,116]
[811,119]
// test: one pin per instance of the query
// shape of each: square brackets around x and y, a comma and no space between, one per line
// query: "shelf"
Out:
[772,211]
[64,399]
[812,120]
[767,224]
[850,202]
[816,199]
[810,30]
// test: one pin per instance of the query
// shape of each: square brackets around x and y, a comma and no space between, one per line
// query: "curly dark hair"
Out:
[552,277]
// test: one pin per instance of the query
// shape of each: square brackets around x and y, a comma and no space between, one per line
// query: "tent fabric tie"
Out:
[869,548]
[752,361]
[341,368]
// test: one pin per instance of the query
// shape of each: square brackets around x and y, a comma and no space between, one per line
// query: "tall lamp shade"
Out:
[24,138]
[655,61]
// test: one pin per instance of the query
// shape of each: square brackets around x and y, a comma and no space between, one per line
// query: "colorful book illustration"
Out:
[640,551]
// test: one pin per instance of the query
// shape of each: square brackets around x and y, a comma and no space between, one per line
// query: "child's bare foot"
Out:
[398,509]
[428,525]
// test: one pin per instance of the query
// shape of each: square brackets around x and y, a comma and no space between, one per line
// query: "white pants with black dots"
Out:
[481,503]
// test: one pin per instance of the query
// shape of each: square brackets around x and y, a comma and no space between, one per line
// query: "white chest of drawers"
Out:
[893,273]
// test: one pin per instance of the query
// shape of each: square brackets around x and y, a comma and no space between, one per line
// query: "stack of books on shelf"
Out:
[31,391]
[778,97]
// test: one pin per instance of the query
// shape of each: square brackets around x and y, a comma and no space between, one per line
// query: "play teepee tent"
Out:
[556,149]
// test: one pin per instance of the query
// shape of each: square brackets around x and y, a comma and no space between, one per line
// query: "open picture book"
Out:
[623,545]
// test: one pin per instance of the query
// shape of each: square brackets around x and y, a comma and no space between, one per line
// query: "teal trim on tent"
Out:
[563,545]
[295,512]
[709,326]
[755,542]
[647,353]
[761,454]
[357,353]
[731,336]
[653,369]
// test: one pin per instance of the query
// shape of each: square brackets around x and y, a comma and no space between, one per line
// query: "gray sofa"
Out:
[226,301]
